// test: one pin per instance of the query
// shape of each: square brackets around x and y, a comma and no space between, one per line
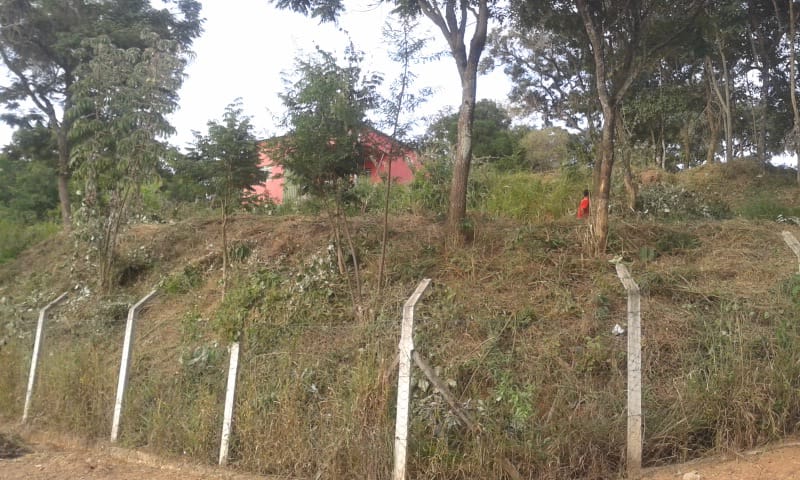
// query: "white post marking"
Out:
[37,343]
[793,244]
[634,438]
[233,367]
[404,382]
[127,349]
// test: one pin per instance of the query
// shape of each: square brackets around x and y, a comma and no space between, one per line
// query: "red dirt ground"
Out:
[54,457]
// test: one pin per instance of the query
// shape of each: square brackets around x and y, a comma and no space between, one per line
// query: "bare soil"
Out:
[39,456]
[779,461]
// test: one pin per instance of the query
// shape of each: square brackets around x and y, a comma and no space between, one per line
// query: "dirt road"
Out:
[780,461]
[37,456]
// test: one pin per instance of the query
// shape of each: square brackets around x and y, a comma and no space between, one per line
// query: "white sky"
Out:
[247,44]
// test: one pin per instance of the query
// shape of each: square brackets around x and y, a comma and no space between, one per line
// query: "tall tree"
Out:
[452,18]
[622,39]
[407,49]
[230,154]
[492,136]
[27,193]
[326,114]
[42,46]
[119,119]
[795,132]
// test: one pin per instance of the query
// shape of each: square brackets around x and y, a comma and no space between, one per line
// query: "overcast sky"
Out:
[248,45]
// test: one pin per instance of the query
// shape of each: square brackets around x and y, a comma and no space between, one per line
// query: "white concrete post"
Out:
[233,367]
[404,382]
[634,438]
[37,343]
[124,367]
[793,244]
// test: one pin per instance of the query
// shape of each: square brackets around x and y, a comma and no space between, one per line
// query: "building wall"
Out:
[378,146]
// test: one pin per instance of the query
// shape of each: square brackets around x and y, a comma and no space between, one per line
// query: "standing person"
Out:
[583,208]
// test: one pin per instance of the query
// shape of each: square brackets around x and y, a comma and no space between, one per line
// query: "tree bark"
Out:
[63,178]
[453,25]
[457,211]
[792,83]
[603,195]
[712,118]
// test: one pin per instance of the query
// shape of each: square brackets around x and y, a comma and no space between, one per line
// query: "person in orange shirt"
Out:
[583,208]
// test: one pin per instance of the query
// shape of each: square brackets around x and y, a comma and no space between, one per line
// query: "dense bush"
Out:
[15,237]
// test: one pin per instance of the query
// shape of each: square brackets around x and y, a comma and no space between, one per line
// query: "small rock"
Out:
[691,476]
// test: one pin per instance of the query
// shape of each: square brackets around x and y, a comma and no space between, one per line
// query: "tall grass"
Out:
[766,207]
[529,197]
[15,237]
[517,325]
[13,376]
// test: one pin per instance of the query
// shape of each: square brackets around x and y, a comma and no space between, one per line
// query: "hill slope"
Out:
[518,323]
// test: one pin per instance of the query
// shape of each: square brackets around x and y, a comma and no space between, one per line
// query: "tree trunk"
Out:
[724,100]
[631,191]
[792,88]
[224,245]
[603,194]
[712,118]
[457,211]
[63,176]
[727,109]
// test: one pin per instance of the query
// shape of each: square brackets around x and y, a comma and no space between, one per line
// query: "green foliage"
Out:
[51,53]
[326,112]
[665,200]
[183,282]
[493,138]
[547,149]
[224,163]
[676,241]
[518,401]
[431,185]
[527,197]
[791,288]
[16,237]
[27,188]
[121,103]
[767,207]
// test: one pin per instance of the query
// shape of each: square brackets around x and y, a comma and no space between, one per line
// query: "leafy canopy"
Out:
[225,161]
[326,114]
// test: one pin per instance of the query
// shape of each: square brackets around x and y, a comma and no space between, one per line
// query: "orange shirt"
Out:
[583,209]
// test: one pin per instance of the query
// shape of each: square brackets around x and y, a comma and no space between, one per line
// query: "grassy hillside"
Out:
[518,323]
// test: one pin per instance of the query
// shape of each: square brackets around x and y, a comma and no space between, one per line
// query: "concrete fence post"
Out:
[634,437]
[125,363]
[793,244]
[404,381]
[37,345]
[233,367]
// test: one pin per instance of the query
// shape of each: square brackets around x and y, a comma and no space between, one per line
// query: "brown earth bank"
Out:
[519,323]
[45,456]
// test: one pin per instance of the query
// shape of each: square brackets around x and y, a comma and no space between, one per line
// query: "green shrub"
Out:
[530,197]
[676,241]
[767,207]
[675,202]
[16,237]
[185,281]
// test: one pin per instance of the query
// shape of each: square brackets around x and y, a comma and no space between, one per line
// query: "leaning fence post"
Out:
[233,367]
[793,244]
[634,438]
[37,343]
[127,349]
[404,381]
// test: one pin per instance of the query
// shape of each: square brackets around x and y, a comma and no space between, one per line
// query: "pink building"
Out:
[380,152]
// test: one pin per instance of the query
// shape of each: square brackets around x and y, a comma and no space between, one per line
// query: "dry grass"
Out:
[518,323]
